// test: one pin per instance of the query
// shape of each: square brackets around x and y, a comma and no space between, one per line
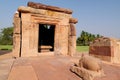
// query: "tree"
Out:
[85,38]
[6,36]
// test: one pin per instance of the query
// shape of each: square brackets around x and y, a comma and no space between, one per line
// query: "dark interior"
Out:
[46,38]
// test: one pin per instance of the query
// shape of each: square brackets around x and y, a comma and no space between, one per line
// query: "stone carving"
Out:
[88,68]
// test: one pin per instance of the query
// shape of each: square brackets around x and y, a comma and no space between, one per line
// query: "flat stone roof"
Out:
[48,7]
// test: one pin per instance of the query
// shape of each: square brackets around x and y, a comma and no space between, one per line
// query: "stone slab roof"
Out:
[48,7]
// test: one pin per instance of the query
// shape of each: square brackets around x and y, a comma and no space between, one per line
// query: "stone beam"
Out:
[47,7]
[73,20]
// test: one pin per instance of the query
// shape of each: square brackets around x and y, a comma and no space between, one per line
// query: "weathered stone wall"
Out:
[106,49]
[27,29]
[116,58]
[16,35]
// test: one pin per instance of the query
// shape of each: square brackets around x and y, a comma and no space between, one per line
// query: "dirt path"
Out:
[4,54]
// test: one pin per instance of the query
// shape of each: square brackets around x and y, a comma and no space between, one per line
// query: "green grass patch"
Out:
[6,47]
[78,48]
[82,48]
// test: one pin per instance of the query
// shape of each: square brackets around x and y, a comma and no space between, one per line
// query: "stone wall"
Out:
[105,48]
[16,35]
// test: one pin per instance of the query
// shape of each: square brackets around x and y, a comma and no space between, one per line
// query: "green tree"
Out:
[98,36]
[85,38]
[6,36]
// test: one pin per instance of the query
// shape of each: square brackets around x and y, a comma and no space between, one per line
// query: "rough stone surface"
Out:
[47,7]
[5,68]
[106,49]
[26,22]
[42,68]
[16,71]
[72,40]
[17,35]
[52,65]
[88,68]
[90,63]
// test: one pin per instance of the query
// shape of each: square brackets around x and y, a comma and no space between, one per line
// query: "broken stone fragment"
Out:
[73,20]
[88,68]
[90,63]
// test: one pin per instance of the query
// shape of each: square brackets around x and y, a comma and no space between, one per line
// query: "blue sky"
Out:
[94,16]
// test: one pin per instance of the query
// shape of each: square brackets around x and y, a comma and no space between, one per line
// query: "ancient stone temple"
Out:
[107,49]
[43,30]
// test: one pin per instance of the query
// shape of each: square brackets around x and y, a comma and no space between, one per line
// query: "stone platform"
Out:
[42,68]
[49,68]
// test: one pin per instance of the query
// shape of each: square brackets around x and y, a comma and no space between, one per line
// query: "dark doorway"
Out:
[46,38]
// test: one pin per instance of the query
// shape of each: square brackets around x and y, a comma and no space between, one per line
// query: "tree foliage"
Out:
[6,36]
[85,38]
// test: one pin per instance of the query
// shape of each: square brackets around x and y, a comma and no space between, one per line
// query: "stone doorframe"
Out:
[28,42]
[37,19]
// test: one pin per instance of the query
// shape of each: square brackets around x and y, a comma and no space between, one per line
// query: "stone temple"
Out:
[43,30]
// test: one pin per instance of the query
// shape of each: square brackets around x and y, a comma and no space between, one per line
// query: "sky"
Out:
[94,16]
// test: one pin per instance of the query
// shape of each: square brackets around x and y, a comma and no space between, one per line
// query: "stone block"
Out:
[16,45]
[26,73]
[87,68]
[72,45]
[17,23]
[106,47]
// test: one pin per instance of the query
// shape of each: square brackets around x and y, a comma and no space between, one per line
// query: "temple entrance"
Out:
[46,38]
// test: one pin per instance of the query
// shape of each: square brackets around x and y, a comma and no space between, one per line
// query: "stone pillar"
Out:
[16,35]
[57,41]
[61,40]
[33,39]
[72,40]
[64,39]
[26,23]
